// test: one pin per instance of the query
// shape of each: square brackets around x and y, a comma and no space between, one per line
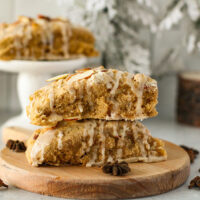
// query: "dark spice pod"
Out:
[2,184]
[16,146]
[116,169]
[192,153]
[195,182]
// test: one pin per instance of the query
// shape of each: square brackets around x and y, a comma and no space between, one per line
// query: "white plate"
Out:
[43,67]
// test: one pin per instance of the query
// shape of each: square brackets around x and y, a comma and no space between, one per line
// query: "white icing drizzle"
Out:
[119,153]
[110,159]
[43,34]
[17,41]
[142,141]
[116,82]
[121,143]
[103,142]
[28,32]
[90,131]
[39,146]
[91,134]
[47,35]
[80,107]
[83,147]
[142,148]
[89,93]
[60,135]
[129,82]
[60,81]
[141,79]
[113,93]
[66,33]
[81,89]
[72,93]
[91,162]
[115,131]
[55,117]
[51,98]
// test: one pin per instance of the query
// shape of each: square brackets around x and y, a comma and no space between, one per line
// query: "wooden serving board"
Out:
[15,133]
[145,179]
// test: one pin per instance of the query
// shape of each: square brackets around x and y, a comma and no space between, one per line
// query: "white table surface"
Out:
[166,129]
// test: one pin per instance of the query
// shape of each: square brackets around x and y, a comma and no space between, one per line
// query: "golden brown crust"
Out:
[94,142]
[94,94]
[44,38]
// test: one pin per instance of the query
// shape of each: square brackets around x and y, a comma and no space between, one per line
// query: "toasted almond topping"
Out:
[83,70]
[79,76]
[70,75]
[58,77]
[44,17]
[100,68]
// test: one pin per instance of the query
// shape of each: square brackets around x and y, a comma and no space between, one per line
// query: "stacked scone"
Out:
[44,38]
[89,118]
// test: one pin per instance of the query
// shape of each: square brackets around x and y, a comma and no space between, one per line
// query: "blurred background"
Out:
[154,37]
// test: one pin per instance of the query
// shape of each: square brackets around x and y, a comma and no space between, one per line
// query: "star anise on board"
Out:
[2,184]
[195,182]
[16,146]
[191,152]
[116,169]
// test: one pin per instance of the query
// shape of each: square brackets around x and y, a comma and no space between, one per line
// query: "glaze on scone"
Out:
[93,143]
[97,93]
[44,38]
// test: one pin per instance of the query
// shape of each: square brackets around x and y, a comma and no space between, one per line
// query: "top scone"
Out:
[97,93]
[44,38]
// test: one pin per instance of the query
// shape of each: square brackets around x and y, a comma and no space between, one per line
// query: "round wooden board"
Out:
[145,179]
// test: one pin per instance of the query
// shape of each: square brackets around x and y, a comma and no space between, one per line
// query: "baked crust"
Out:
[44,38]
[93,142]
[97,93]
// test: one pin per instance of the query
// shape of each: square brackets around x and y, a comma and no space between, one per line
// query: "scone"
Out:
[44,38]
[97,93]
[93,143]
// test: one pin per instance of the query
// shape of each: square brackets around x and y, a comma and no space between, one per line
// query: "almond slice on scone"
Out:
[55,78]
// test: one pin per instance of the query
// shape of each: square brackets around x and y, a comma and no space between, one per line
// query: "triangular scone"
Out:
[44,38]
[94,142]
[97,93]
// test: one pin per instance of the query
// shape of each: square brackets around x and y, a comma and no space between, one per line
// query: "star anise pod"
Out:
[116,169]
[195,182]
[2,184]
[16,146]
[191,152]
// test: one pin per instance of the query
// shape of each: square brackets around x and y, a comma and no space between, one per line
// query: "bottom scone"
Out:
[93,143]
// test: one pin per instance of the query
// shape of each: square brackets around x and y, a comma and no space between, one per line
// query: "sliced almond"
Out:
[100,68]
[58,77]
[44,17]
[83,70]
[79,76]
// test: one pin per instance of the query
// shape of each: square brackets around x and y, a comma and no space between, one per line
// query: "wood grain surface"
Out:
[145,179]
[15,133]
